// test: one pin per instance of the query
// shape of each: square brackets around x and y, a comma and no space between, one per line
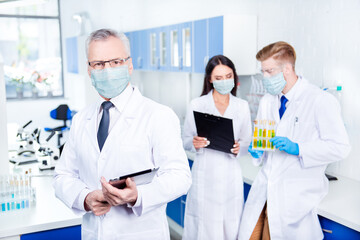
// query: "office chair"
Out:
[62,112]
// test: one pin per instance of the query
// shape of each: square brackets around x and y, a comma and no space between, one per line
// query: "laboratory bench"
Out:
[48,218]
[339,211]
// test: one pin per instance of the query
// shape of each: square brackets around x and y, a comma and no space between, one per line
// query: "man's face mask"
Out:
[274,84]
[110,82]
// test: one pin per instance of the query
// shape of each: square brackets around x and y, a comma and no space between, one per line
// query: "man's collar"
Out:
[291,93]
[121,100]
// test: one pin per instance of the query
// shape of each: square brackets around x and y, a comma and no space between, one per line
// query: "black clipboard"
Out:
[218,130]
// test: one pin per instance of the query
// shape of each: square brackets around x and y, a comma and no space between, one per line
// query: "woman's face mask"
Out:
[274,84]
[110,82]
[224,86]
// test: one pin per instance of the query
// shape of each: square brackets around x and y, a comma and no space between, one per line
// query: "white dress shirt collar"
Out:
[291,94]
[120,100]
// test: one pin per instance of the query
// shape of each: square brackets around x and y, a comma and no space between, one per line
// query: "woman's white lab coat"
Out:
[146,136]
[215,200]
[293,186]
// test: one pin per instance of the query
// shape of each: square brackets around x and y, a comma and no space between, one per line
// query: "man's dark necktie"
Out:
[282,109]
[104,124]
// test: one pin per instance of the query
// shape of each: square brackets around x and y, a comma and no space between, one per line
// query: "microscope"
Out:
[28,143]
[48,155]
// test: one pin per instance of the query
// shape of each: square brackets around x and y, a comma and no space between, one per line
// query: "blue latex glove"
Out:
[284,144]
[255,153]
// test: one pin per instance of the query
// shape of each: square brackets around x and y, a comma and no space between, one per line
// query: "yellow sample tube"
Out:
[256,129]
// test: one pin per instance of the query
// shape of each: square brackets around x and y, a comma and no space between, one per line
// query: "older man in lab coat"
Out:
[126,133]
[310,134]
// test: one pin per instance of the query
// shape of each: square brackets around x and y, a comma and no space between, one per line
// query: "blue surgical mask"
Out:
[224,86]
[110,82]
[274,84]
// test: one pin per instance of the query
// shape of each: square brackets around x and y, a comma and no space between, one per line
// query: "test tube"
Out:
[264,128]
[260,128]
[259,143]
[11,194]
[256,127]
[17,193]
[33,196]
[7,191]
[273,129]
[269,129]
[255,143]
[2,194]
[272,133]
[27,190]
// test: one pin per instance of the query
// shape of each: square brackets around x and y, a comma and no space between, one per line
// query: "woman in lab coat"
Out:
[215,201]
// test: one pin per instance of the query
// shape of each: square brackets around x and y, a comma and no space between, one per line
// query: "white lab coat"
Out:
[215,200]
[147,135]
[293,186]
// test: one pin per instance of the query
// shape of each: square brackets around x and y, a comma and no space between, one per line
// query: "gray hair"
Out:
[103,34]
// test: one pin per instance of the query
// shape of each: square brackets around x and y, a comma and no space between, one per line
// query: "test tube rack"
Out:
[16,192]
[264,130]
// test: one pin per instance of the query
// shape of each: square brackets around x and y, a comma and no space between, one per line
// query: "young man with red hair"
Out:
[310,134]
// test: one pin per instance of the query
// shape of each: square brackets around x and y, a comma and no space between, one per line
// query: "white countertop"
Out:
[49,212]
[341,204]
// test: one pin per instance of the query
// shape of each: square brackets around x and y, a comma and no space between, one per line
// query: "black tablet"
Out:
[140,178]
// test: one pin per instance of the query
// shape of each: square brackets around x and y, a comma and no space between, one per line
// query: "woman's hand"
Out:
[236,148]
[200,142]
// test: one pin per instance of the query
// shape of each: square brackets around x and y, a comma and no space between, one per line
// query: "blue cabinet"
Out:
[158,45]
[335,231]
[153,39]
[164,48]
[231,35]
[246,190]
[130,36]
[173,210]
[216,36]
[182,210]
[143,50]
[187,47]
[176,209]
[68,233]
[139,49]
[201,46]
[181,47]
[208,41]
